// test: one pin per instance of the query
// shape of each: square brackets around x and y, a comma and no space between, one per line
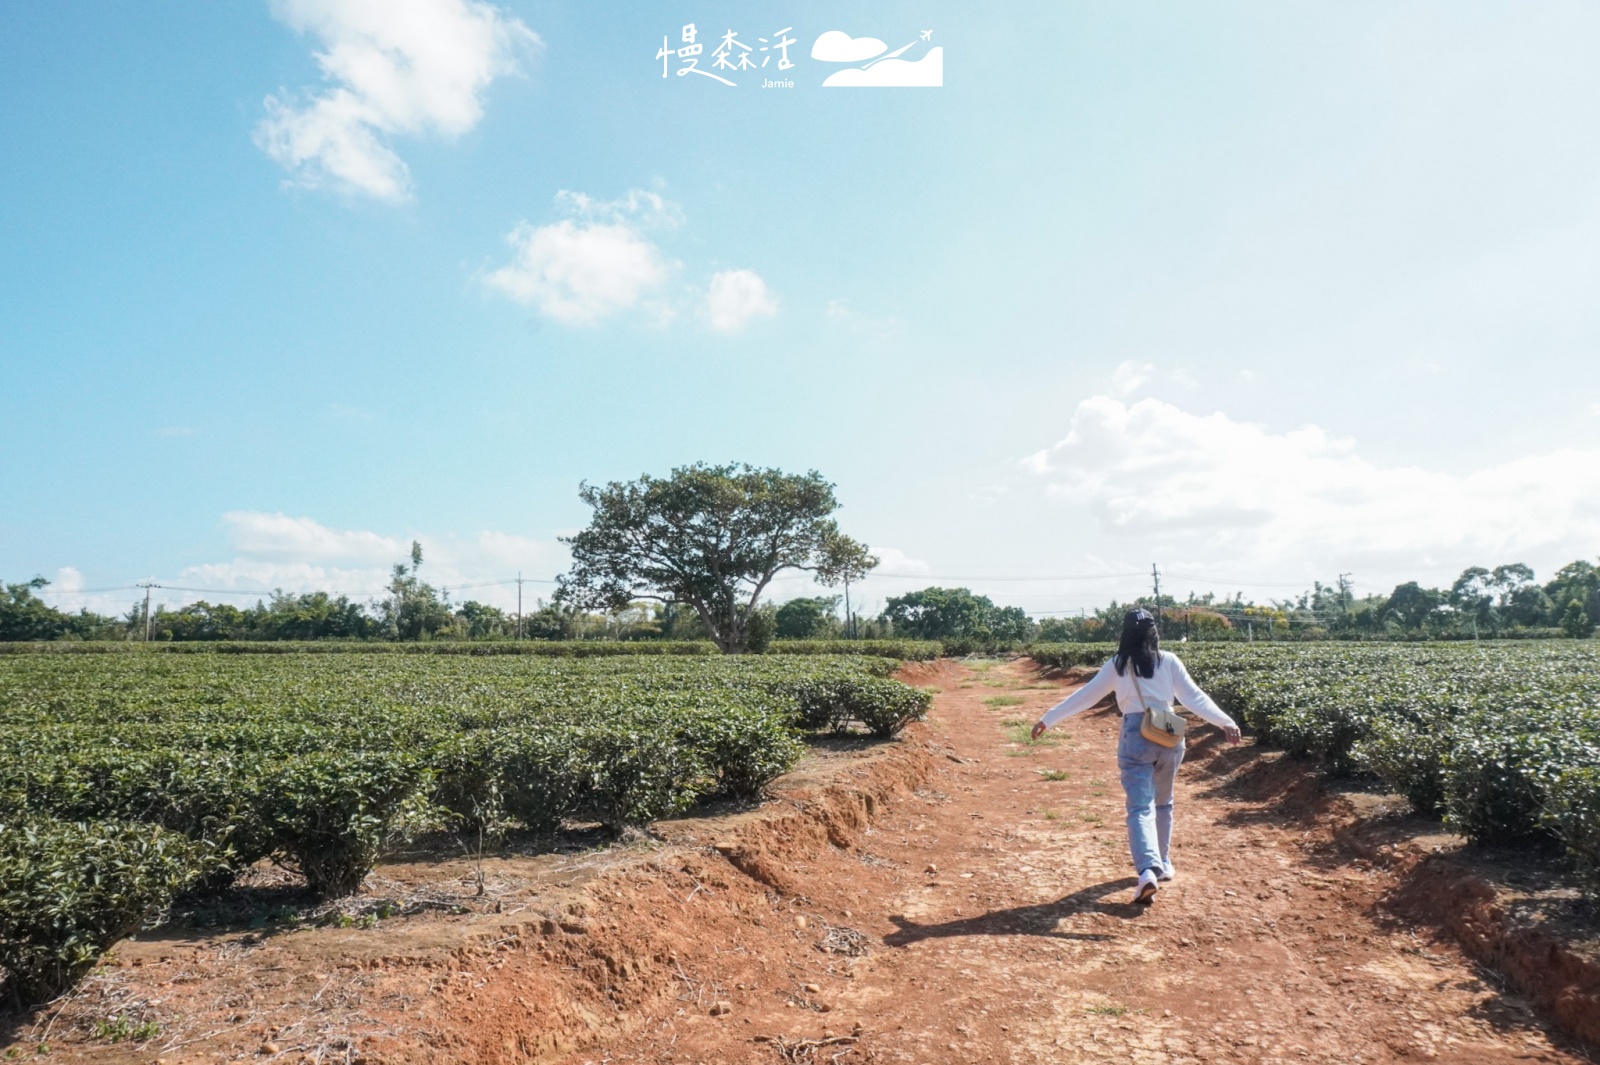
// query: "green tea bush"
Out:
[746,749]
[496,648]
[1409,757]
[332,812]
[317,758]
[637,770]
[1502,738]
[1572,813]
[68,891]
[909,650]
[183,768]
[1071,655]
[1501,767]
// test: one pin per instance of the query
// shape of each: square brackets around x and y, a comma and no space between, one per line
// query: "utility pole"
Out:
[1155,575]
[147,585]
[519,604]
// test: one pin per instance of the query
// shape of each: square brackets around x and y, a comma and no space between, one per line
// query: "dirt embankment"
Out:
[957,897]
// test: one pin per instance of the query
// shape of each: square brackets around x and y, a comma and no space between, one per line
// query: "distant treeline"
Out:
[1504,602]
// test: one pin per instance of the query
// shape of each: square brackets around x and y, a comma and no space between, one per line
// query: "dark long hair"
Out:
[1140,642]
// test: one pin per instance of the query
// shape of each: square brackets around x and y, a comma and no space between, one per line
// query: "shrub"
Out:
[1071,655]
[909,650]
[1501,767]
[332,812]
[1572,813]
[638,771]
[68,891]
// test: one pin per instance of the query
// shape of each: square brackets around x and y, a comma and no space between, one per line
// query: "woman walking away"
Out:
[1143,677]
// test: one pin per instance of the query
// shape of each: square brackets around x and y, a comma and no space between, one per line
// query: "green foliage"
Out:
[530,648]
[123,1029]
[763,627]
[68,891]
[332,812]
[1503,738]
[414,610]
[1575,622]
[710,537]
[1071,655]
[807,619]
[320,760]
[955,614]
[1572,812]
[24,616]
[883,706]
[909,650]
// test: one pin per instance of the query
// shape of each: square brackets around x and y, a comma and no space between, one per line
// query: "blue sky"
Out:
[1260,292]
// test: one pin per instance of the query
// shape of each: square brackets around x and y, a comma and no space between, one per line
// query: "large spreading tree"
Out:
[708,537]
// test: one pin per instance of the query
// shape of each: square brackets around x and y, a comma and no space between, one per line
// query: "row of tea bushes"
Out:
[320,760]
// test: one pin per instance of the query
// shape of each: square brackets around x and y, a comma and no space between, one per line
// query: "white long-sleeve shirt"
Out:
[1171,684]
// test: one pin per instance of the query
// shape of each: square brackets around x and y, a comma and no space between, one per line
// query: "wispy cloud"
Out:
[413,68]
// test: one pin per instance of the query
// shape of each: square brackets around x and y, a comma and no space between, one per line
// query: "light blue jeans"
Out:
[1148,772]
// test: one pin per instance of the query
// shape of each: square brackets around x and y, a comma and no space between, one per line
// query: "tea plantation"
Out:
[1501,739]
[125,778]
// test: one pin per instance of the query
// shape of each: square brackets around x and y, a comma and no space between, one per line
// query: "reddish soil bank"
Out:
[958,897]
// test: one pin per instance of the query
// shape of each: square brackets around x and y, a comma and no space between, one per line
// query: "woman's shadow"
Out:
[1036,920]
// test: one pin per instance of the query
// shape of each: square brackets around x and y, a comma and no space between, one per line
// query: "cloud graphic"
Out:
[837,46]
[927,72]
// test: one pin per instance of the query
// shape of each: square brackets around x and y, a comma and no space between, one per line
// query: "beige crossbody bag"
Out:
[1161,723]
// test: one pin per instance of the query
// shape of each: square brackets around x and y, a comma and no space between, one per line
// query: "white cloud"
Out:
[925,73]
[280,537]
[837,46]
[735,297]
[592,265]
[893,562]
[1161,481]
[301,554]
[394,68]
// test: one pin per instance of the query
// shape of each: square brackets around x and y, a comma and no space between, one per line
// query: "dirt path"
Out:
[994,914]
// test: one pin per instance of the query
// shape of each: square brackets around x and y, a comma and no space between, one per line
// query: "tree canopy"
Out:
[945,613]
[709,537]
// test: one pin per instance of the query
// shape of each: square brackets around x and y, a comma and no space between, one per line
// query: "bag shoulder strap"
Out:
[1134,666]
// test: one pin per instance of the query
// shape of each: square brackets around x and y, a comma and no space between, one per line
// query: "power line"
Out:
[1230,584]
[969,577]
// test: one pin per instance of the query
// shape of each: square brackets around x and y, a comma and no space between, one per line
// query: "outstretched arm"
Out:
[1190,695]
[1099,686]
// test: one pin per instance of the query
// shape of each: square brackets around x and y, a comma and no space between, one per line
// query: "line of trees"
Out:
[690,556]
[1506,601]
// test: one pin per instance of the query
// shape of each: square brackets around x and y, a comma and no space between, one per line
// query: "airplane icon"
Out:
[927,35]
